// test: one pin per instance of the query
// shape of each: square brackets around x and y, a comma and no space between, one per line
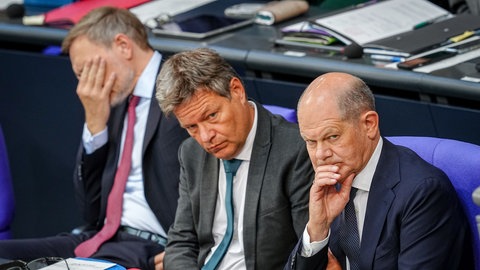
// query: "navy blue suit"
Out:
[414,220]
[93,180]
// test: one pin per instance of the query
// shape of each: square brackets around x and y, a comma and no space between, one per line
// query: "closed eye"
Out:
[191,128]
[310,142]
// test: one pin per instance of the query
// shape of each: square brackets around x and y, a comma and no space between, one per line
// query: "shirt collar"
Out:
[364,179]
[146,82]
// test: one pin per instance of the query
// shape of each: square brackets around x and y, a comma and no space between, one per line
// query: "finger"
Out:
[93,72]
[83,79]
[331,257]
[100,78]
[159,257]
[327,168]
[318,192]
[333,263]
[326,178]
[107,88]
[347,186]
[349,180]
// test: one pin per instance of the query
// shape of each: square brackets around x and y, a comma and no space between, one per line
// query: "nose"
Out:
[206,133]
[323,152]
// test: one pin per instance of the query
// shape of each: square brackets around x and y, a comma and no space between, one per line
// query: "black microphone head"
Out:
[353,50]
[15,11]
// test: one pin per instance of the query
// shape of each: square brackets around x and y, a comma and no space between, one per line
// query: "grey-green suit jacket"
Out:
[276,203]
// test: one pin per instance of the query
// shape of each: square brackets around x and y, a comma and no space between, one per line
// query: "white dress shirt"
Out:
[136,211]
[362,182]
[234,258]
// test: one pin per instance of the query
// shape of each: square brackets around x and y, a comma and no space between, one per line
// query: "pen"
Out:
[387,58]
[458,38]
[425,23]
[461,37]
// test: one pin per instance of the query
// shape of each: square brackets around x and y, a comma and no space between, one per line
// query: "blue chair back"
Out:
[7,203]
[287,113]
[461,162]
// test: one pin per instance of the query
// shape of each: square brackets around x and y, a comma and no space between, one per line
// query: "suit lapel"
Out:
[209,192]
[256,172]
[115,127]
[380,199]
[154,116]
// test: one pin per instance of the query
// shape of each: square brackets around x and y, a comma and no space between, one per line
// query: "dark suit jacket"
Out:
[276,203]
[95,172]
[414,220]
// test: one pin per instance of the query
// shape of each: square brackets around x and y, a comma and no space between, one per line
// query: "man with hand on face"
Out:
[127,171]
[373,204]
[270,182]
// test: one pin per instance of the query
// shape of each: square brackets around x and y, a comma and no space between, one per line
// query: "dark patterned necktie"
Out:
[349,236]
[231,167]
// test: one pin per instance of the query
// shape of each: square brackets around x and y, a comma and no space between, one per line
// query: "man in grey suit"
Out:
[271,186]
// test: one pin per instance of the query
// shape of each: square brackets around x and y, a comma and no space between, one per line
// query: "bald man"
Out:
[406,211]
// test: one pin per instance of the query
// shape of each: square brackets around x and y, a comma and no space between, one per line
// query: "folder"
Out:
[379,20]
[426,38]
[68,15]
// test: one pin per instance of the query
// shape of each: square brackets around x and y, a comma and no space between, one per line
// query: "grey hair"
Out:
[188,72]
[102,24]
[356,99]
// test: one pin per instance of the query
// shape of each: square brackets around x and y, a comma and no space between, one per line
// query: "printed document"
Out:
[384,19]
[82,264]
[154,8]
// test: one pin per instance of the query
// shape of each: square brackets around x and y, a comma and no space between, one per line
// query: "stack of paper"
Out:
[384,19]
[393,27]
[426,38]
[308,32]
[83,264]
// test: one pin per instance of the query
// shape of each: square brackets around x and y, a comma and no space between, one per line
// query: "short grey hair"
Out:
[188,72]
[102,24]
[355,100]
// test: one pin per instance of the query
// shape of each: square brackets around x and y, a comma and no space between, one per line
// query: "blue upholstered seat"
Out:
[287,113]
[461,162]
[7,203]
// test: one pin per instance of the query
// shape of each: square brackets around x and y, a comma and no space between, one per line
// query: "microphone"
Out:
[352,50]
[476,196]
[15,11]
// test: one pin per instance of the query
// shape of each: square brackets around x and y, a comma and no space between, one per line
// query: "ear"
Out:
[237,90]
[123,45]
[370,122]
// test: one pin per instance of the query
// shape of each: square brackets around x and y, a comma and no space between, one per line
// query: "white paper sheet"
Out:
[155,8]
[383,19]
[79,264]
[5,3]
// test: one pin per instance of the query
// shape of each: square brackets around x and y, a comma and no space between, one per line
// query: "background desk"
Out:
[42,117]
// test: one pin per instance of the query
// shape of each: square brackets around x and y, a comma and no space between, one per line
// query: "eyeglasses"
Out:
[35,264]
